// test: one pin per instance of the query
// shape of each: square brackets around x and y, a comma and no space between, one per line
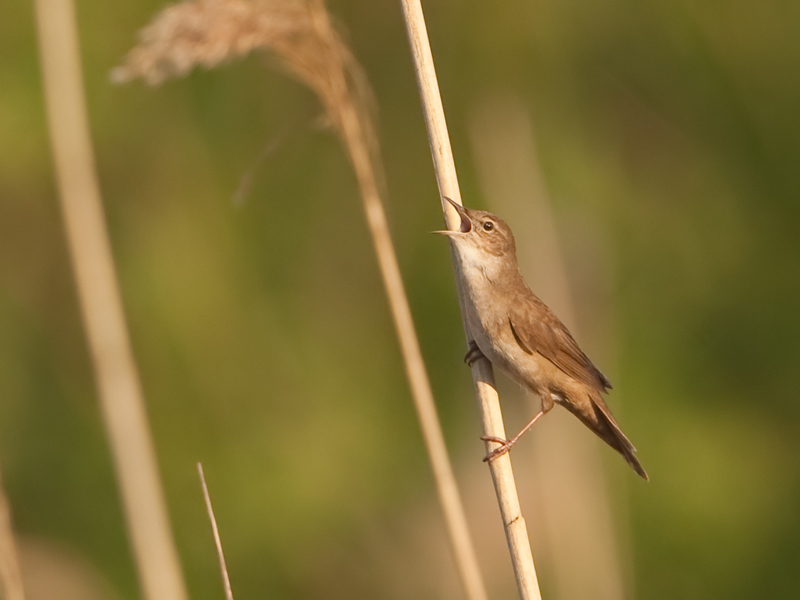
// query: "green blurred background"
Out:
[263,337]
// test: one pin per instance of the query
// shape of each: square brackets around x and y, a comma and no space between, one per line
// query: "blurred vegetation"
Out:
[261,330]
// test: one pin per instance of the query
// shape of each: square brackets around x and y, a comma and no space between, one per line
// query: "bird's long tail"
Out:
[606,428]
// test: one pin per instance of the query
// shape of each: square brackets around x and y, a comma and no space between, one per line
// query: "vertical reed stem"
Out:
[117,380]
[482,374]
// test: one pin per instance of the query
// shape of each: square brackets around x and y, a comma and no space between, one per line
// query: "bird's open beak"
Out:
[466,224]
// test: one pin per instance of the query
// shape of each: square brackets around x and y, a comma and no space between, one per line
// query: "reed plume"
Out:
[209,33]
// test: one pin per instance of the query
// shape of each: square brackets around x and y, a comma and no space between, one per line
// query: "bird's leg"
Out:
[474,353]
[507,444]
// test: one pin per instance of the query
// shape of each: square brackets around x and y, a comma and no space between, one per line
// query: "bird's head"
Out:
[482,237]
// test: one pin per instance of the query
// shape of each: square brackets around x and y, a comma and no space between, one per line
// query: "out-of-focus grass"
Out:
[673,126]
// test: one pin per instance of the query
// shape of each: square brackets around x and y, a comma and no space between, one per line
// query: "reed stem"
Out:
[121,397]
[482,374]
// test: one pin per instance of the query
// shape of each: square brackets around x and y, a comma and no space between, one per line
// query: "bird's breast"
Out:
[487,310]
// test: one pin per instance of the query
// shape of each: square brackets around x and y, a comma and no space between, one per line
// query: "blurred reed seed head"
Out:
[209,33]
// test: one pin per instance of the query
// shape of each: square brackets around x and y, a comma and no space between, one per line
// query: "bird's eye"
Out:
[488,226]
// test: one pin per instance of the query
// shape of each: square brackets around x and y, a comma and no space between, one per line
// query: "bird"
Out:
[512,328]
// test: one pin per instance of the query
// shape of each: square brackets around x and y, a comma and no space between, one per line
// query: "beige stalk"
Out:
[117,380]
[226,580]
[482,374]
[10,573]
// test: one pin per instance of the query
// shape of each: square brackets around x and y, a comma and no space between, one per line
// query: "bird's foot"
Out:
[474,353]
[505,446]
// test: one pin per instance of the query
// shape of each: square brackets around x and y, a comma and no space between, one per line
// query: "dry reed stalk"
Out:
[10,573]
[482,374]
[566,460]
[120,393]
[211,32]
[226,581]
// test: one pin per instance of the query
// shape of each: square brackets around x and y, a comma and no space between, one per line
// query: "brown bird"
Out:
[517,332]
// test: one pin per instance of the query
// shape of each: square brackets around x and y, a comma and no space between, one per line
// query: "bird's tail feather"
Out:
[616,439]
[606,428]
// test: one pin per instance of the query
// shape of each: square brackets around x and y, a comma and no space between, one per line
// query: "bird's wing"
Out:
[537,329]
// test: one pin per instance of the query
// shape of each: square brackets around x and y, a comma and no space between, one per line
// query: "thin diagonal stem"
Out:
[226,581]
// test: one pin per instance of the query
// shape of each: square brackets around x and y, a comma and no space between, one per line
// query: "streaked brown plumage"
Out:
[518,333]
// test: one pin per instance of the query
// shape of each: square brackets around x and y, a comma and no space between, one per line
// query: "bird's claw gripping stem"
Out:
[505,446]
[474,353]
